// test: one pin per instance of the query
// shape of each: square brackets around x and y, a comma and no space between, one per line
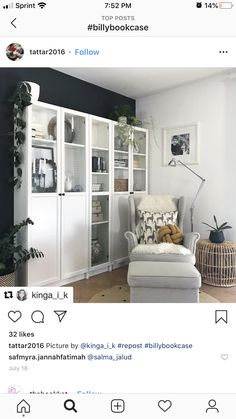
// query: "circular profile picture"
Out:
[21,295]
[14,52]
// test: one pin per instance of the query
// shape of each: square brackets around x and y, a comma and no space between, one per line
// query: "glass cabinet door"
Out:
[74,141]
[44,148]
[100,230]
[100,156]
[139,158]
[121,162]
[100,189]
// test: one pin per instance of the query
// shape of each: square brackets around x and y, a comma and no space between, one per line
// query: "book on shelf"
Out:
[37,134]
[96,218]
[121,163]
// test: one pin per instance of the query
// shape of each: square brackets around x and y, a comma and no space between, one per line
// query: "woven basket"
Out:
[121,185]
[7,280]
[217,263]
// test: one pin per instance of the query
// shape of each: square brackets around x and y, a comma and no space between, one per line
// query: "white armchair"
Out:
[139,252]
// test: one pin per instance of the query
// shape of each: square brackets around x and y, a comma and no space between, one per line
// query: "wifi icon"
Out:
[42,4]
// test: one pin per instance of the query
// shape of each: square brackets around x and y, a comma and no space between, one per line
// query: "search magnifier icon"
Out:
[70,405]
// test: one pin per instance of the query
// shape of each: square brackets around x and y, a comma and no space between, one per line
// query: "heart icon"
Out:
[14,315]
[164,405]
[224,356]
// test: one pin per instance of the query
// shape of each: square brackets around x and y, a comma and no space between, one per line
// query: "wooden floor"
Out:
[87,288]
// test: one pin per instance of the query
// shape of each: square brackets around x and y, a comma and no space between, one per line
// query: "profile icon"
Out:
[14,52]
[212,406]
[21,295]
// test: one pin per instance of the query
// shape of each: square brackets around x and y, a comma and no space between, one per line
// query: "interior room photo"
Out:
[119,182]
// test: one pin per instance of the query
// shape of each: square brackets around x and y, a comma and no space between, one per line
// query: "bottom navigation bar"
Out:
[136,406]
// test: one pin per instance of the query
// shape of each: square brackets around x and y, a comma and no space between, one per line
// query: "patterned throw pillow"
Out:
[151,222]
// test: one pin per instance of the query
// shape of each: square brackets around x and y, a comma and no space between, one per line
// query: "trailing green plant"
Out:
[123,114]
[125,110]
[218,227]
[12,254]
[125,132]
[21,99]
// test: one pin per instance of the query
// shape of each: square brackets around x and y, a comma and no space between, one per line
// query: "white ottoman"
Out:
[163,282]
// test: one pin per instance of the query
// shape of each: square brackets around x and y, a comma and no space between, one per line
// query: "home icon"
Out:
[23,407]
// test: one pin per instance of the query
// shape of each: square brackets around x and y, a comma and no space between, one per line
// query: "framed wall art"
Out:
[181,143]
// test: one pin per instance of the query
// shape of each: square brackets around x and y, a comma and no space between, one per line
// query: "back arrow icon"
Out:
[12,22]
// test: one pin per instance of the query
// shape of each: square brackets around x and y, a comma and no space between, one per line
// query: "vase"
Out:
[122,120]
[68,181]
[35,90]
[217,237]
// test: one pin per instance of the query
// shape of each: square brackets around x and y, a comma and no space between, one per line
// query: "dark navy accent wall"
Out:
[58,89]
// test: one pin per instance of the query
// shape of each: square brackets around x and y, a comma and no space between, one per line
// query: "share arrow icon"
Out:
[61,314]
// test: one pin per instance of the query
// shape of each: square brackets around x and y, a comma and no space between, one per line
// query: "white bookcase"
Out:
[54,193]
[69,190]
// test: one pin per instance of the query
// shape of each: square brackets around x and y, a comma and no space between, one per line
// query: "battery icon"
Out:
[226,5]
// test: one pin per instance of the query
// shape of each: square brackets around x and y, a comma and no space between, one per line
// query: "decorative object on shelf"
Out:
[21,99]
[217,232]
[12,254]
[97,214]
[69,130]
[181,142]
[98,164]
[68,181]
[77,188]
[35,89]
[43,169]
[217,263]
[121,185]
[97,187]
[96,251]
[173,163]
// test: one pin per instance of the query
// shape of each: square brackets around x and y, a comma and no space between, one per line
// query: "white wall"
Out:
[212,103]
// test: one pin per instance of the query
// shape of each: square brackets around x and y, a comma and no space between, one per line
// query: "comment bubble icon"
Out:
[37,316]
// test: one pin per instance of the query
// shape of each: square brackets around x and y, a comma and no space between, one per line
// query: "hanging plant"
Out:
[21,99]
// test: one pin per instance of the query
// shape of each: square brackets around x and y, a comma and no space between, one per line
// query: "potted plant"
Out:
[14,255]
[124,114]
[126,122]
[217,232]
